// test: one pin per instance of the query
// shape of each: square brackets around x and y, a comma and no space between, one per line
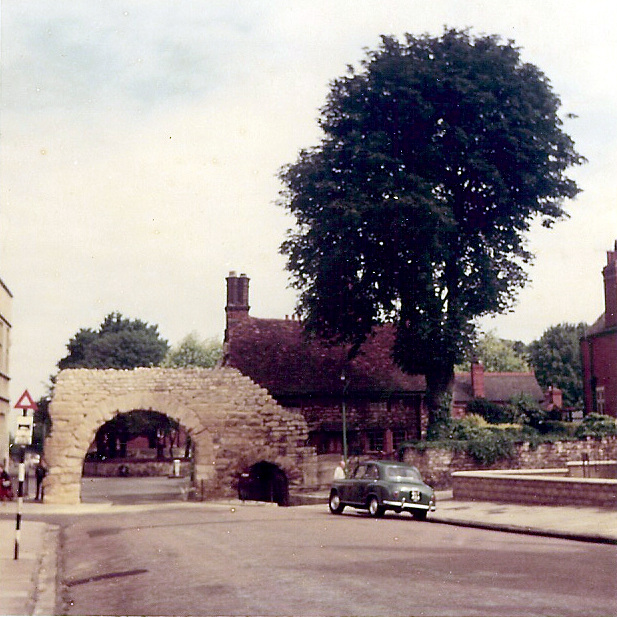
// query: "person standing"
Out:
[40,472]
[339,472]
[6,486]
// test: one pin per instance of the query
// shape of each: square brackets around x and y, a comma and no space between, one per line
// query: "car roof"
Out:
[385,462]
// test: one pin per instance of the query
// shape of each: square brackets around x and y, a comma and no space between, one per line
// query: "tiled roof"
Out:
[276,355]
[498,387]
[597,327]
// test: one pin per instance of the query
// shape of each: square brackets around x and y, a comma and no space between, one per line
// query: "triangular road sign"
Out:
[26,402]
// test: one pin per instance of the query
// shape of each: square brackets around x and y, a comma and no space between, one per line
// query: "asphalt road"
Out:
[259,559]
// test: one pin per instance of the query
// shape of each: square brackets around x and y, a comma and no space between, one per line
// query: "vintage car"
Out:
[378,486]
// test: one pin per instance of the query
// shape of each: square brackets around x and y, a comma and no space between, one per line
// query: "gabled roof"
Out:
[275,354]
[498,387]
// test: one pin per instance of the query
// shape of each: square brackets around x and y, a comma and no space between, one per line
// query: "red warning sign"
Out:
[26,402]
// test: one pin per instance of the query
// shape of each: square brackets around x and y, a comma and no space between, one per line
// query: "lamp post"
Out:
[344,414]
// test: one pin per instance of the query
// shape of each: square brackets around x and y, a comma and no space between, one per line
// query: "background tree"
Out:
[119,343]
[556,359]
[498,355]
[437,154]
[193,351]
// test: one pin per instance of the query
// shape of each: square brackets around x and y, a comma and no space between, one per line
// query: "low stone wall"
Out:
[133,467]
[534,487]
[438,464]
[593,469]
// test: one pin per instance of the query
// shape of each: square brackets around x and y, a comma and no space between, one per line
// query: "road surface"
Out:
[259,559]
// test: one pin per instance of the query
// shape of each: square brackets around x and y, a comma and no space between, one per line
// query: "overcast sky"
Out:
[140,142]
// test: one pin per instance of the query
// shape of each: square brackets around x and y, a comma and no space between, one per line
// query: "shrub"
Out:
[490,448]
[596,425]
[491,412]
[523,407]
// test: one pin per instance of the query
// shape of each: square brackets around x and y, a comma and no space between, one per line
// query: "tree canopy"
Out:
[119,343]
[193,351]
[437,154]
[556,358]
[499,355]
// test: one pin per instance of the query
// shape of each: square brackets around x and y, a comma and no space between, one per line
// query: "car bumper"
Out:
[409,505]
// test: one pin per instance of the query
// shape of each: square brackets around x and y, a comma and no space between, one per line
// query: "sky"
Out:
[140,144]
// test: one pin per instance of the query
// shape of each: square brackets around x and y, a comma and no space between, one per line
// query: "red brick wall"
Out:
[599,355]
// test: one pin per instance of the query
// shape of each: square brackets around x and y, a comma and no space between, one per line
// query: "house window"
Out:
[375,441]
[398,437]
[600,400]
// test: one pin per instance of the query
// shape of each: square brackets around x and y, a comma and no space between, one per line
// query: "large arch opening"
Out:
[140,456]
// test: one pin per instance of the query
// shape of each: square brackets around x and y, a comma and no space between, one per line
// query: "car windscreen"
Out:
[396,472]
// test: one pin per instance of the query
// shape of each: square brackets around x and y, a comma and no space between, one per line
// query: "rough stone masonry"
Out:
[233,423]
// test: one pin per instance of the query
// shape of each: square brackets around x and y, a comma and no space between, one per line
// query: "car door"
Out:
[367,484]
[353,488]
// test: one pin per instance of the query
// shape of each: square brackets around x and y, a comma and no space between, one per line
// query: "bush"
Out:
[491,448]
[526,409]
[597,426]
[491,412]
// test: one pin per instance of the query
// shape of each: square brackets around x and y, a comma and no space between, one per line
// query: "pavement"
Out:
[29,585]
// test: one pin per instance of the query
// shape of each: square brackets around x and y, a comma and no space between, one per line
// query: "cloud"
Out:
[141,142]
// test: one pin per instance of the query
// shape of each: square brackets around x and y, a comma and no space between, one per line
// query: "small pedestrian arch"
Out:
[233,423]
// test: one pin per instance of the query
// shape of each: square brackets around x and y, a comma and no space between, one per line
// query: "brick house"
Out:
[599,349]
[498,388]
[383,406]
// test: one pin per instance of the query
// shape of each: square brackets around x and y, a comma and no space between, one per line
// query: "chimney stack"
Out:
[610,289]
[237,308]
[477,378]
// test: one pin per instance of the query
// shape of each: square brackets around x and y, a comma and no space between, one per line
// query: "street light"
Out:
[344,413]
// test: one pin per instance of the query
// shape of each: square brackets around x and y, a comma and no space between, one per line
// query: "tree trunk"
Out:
[438,398]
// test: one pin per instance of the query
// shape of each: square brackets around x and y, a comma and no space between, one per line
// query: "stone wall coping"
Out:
[590,463]
[532,474]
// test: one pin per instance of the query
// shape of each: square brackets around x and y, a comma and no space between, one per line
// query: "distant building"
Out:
[6,301]
[498,388]
[383,406]
[599,349]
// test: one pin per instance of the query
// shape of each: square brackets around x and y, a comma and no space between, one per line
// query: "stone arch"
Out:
[233,423]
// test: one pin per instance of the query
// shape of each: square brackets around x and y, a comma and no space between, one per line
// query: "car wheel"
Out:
[374,509]
[335,505]
[419,515]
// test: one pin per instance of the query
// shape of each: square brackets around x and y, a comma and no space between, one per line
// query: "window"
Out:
[360,471]
[399,435]
[375,441]
[372,472]
[600,400]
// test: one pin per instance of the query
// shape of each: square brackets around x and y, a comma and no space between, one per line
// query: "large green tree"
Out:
[498,355]
[117,343]
[194,351]
[437,154]
[556,358]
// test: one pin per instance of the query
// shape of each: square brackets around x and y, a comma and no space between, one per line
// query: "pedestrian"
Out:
[339,472]
[6,486]
[40,471]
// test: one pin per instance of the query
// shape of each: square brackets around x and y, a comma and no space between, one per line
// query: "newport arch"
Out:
[233,423]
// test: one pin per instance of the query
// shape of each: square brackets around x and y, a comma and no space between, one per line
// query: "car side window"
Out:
[372,472]
[360,471]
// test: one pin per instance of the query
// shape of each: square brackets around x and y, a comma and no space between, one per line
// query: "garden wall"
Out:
[534,487]
[438,464]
